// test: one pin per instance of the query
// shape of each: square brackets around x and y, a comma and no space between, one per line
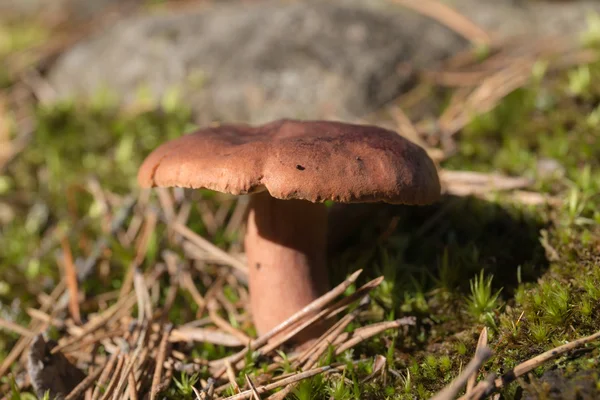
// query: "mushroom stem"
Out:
[286,251]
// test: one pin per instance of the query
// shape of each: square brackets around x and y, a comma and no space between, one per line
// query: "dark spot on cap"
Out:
[300,167]
[257,265]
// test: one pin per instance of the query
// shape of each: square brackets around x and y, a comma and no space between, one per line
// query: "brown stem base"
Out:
[286,251]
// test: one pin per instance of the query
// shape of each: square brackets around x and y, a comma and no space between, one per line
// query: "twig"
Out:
[450,391]
[483,387]
[364,333]
[142,296]
[131,360]
[329,312]
[314,306]
[238,216]
[87,267]
[16,328]
[131,386]
[210,248]
[141,250]
[160,359]
[207,391]
[535,362]
[115,378]
[408,130]
[226,326]
[95,339]
[71,279]
[284,382]
[47,319]
[204,335]
[95,324]
[24,341]
[106,372]
[86,383]
[321,345]
[450,18]
[231,376]
[208,217]
[470,182]
[379,367]
[188,283]
[255,394]
[481,343]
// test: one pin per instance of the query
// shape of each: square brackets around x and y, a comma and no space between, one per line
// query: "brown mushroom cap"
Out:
[308,160]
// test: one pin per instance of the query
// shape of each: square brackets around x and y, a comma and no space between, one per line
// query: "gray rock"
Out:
[310,59]
[263,61]
[65,10]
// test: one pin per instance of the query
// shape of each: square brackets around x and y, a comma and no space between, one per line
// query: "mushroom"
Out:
[290,168]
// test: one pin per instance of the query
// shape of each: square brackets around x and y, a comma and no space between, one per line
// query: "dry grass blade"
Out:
[535,362]
[450,18]
[226,326]
[16,328]
[199,396]
[141,246]
[188,283]
[45,318]
[272,345]
[481,343]
[132,386]
[450,391]
[490,384]
[112,384]
[313,354]
[119,307]
[120,216]
[204,335]
[208,217]
[408,130]
[141,249]
[207,392]
[332,339]
[166,202]
[328,312]
[379,367]
[94,339]
[338,307]
[309,309]
[364,333]
[255,394]
[485,97]
[142,296]
[106,373]
[24,341]
[71,279]
[483,387]
[231,377]
[86,383]
[284,382]
[131,360]
[210,248]
[238,216]
[160,359]
[469,183]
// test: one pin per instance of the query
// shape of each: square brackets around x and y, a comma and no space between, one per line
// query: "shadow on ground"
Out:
[444,245]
